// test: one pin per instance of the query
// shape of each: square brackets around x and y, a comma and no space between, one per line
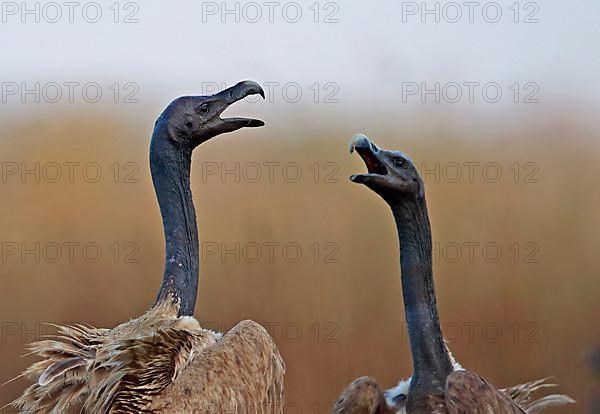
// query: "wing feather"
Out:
[85,369]
[521,394]
[467,392]
[242,373]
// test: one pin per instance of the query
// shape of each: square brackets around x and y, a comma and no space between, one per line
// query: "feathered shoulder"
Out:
[86,369]
[242,373]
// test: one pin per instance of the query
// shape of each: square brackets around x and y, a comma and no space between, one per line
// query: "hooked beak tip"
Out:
[357,140]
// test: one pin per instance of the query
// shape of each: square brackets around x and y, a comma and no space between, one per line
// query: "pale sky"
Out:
[368,53]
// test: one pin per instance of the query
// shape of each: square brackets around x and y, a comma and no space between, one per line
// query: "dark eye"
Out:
[204,107]
[399,162]
[189,124]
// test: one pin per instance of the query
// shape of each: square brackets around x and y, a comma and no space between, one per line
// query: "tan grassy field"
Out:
[516,260]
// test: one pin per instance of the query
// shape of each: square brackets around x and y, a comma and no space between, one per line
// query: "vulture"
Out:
[439,384]
[164,361]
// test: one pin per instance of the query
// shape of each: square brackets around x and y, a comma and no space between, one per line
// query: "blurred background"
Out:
[497,102]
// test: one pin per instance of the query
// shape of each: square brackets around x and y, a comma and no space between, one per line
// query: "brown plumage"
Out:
[362,396]
[439,384]
[164,361]
[465,392]
[156,363]
[229,380]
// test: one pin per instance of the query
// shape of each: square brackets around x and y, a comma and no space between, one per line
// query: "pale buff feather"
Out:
[243,373]
[100,370]
[521,394]
[155,363]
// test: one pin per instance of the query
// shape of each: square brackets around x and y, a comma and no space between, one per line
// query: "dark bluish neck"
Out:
[431,363]
[170,167]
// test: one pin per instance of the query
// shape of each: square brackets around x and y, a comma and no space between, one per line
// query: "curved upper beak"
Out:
[371,155]
[360,141]
[233,94]
[240,91]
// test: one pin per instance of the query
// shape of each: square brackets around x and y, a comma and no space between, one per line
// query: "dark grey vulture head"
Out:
[391,174]
[191,120]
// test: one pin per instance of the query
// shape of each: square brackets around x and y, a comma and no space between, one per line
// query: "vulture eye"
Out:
[399,162]
[204,107]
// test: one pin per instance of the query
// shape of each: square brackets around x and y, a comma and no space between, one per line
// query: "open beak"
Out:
[370,154]
[233,94]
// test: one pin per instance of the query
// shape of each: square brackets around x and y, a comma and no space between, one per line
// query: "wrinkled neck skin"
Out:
[431,363]
[170,166]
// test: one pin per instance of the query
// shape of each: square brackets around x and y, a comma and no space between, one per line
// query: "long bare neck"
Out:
[431,363]
[170,166]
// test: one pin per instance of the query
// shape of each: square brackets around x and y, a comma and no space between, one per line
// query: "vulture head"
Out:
[189,121]
[391,174]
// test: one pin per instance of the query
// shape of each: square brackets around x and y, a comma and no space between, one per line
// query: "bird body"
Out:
[439,385]
[244,364]
[125,369]
[464,392]
[164,361]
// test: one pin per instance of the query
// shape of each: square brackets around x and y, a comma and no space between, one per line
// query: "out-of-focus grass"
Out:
[332,321]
